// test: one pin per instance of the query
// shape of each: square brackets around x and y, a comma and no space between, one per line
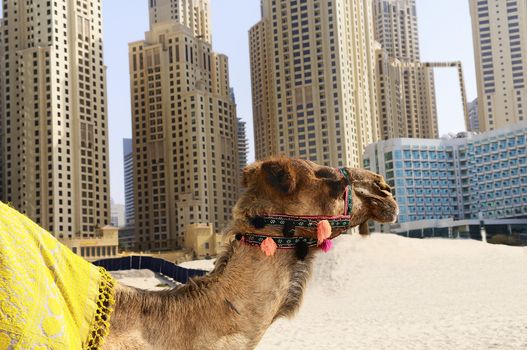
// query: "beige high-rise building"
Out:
[405,87]
[473,116]
[54,142]
[313,84]
[184,128]
[396,28]
[193,14]
[390,93]
[499,30]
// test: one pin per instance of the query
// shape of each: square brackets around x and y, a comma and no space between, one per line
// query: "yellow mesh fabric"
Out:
[50,298]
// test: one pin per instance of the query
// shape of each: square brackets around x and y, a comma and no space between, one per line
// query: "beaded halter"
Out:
[327,227]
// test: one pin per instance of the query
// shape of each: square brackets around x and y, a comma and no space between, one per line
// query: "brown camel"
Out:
[233,306]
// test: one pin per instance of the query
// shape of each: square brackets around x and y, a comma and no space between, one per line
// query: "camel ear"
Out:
[280,174]
[247,175]
[382,188]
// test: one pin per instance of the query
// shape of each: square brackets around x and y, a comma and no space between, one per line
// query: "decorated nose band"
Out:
[327,228]
[290,222]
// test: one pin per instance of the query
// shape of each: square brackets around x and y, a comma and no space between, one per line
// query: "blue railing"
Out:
[177,273]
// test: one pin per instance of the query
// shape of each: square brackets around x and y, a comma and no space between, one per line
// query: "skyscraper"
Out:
[405,87]
[390,87]
[184,127]
[193,14]
[313,85]
[473,115]
[396,28]
[54,119]
[128,157]
[499,30]
[243,143]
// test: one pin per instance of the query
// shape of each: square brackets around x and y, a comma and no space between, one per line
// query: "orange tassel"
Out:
[268,246]
[323,231]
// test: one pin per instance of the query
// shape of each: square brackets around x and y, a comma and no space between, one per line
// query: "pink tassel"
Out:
[326,245]
[268,246]
[323,231]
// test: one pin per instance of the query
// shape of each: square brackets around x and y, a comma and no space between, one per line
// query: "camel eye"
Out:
[384,189]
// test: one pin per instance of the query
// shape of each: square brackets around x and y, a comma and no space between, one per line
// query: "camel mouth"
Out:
[394,218]
[388,218]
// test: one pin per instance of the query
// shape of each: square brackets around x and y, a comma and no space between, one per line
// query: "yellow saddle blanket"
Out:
[50,298]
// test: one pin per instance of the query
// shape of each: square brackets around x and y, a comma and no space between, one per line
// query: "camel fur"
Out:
[233,306]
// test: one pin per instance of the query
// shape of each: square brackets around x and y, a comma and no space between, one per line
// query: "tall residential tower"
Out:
[473,116]
[499,30]
[184,127]
[313,85]
[243,143]
[128,158]
[405,87]
[396,28]
[53,126]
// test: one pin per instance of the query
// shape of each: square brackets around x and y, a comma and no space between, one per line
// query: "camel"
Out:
[248,289]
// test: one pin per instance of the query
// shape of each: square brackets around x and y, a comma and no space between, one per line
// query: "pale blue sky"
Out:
[444,30]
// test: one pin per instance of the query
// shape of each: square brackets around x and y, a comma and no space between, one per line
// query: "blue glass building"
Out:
[464,178]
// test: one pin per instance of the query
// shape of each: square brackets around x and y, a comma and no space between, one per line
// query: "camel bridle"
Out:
[336,225]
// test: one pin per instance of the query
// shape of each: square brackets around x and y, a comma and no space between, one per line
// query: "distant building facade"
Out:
[202,241]
[186,167]
[499,30]
[472,177]
[53,122]
[192,14]
[405,88]
[102,245]
[117,214]
[473,116]
[128,157]
[480,229]
[126,238]
[390,92]
[396,28]
[313,82]
[243,143]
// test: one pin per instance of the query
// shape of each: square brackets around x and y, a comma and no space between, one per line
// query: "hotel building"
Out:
[470,177]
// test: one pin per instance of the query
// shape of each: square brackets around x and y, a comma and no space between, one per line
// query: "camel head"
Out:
[298,187]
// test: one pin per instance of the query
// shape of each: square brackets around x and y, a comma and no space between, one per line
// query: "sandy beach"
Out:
[390,292]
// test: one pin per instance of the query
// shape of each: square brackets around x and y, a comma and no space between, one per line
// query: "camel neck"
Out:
[230,308]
